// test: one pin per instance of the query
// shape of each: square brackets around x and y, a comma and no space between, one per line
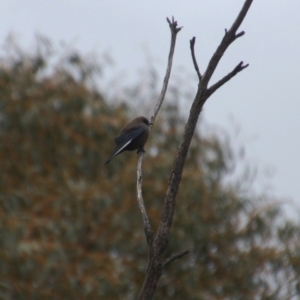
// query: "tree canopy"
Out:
[70,227]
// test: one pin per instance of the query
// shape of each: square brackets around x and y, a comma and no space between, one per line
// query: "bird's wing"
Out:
[125,138]
[119,150]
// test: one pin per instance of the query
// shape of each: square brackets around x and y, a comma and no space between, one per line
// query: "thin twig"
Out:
[174,30]
[240,67]
[174,257]
[239,34]
[192,46]
[147,226]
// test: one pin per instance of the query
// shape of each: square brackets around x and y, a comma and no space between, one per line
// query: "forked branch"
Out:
[230,36]
[240,67]
[160,241]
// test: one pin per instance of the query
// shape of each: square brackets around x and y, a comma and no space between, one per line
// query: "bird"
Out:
[133,136]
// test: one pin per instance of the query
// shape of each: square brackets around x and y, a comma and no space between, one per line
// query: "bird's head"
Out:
[145,121]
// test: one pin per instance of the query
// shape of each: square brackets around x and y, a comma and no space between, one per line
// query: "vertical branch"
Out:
[146,223]
[174,31]
[147,227]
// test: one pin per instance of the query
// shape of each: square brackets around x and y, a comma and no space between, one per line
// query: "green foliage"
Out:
[70,227]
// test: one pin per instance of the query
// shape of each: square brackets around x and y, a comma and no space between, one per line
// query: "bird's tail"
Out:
[117,151]
[110,158]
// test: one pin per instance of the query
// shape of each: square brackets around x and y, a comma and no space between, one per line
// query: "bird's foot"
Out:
[140,150]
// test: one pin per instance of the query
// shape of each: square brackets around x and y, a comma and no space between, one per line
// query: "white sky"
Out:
[263,99]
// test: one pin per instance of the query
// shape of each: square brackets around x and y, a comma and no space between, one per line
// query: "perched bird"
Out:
[133,136]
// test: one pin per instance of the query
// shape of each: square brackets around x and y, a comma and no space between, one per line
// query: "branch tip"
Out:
[174,31]
[239,34]
[173,25]
[192,41]
[240,66]
[192,46]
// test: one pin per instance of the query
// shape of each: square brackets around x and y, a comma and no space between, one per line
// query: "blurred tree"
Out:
[70,227]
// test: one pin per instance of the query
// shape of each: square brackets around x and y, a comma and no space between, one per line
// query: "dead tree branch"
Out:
[147,227]
[240,67]
[192,46]
[159,244]
[174,257]
[174,31]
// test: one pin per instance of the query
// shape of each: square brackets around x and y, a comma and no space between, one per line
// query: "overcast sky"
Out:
[263,99]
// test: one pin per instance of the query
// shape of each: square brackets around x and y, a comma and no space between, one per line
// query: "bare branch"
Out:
[154,266]
[239,34]
[192,46]
[229,37]
[241,16]
[147,227]
[161,238]
[240,67]
[173,25]
[174,257]
[174,31]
